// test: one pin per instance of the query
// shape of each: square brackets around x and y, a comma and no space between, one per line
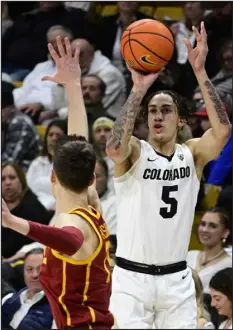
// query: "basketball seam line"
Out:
[134,55]
[150,50]
[138,25]
[150,33]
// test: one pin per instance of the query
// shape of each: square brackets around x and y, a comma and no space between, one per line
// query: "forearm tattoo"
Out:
[124,124]
[219,107]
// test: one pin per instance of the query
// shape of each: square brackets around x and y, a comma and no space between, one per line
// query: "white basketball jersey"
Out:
[156,202]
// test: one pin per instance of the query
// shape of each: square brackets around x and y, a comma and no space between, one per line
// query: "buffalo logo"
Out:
[145,59]
[180,156]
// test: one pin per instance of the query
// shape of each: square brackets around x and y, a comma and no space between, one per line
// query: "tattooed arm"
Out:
[209,146]
[121,145]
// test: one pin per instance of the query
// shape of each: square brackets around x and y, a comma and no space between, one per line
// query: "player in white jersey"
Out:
[156,187]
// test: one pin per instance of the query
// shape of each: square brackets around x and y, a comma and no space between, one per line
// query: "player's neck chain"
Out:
[205,262]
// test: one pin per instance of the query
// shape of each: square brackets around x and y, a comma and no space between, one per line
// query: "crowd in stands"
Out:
[34,115]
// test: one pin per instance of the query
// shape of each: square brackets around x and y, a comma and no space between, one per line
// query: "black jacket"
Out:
[30,209]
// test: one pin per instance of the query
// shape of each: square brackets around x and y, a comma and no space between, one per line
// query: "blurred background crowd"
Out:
[34,115]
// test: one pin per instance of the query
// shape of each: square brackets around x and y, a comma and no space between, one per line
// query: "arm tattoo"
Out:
[124,124]
[218,105]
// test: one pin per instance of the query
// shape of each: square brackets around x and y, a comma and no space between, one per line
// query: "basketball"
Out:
[147,45]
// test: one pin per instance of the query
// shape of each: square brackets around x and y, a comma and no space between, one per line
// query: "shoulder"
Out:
[42,65]
[73,220]
[191,144]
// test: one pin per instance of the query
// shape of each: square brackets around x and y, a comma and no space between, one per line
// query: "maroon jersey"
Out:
[79,290]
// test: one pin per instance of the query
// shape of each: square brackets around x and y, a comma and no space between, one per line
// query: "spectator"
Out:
[39,172]
[20,139]
[218,26]
[36,96]
[22,203]
[24,44]
[93,62]
[28,308]
[112,28]
[213,233]
[93,89]
[107,199]
[193,15]
[101,130]
[203,317]
[221,295]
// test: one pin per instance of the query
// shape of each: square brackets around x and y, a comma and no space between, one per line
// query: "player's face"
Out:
[163,118]
[31,272]
[221,302]
[11,185]
[101,134]
[211,231]
[53,134]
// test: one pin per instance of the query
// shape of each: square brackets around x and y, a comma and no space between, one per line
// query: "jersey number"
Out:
[164,211]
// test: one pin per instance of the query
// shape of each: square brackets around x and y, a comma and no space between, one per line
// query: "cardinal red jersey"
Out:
[79,290]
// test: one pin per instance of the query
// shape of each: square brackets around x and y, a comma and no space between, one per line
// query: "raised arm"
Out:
[209,146]
[119,144]
[69,75]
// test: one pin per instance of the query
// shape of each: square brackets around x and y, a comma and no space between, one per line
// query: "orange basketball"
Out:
[147,45]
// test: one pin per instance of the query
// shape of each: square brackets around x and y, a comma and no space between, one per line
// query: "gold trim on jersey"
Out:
[68,319]
[44,261]
[97,215]
[107,260]
[93,256]
[85,297]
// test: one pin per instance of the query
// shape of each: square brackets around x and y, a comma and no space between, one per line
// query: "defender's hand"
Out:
[68,68]
[197,55]
[7,217]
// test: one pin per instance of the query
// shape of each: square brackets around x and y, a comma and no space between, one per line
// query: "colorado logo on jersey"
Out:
[167,175]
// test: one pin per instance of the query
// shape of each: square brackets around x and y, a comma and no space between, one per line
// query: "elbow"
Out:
[225,133]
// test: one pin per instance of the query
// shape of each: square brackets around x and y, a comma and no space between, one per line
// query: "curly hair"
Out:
[184,110]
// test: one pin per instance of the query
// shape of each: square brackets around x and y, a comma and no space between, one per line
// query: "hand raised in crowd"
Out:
[68,68]
[197,55]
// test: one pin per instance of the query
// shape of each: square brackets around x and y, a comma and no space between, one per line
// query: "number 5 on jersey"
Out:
[171,210]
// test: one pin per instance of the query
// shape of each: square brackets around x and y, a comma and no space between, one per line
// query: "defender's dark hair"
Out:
[222,282]
[181,103]
[102,84]
[224,218]
[74,162]
[33,251]
[62,124]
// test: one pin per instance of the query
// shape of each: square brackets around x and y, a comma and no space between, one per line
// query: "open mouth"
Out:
[158,126]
